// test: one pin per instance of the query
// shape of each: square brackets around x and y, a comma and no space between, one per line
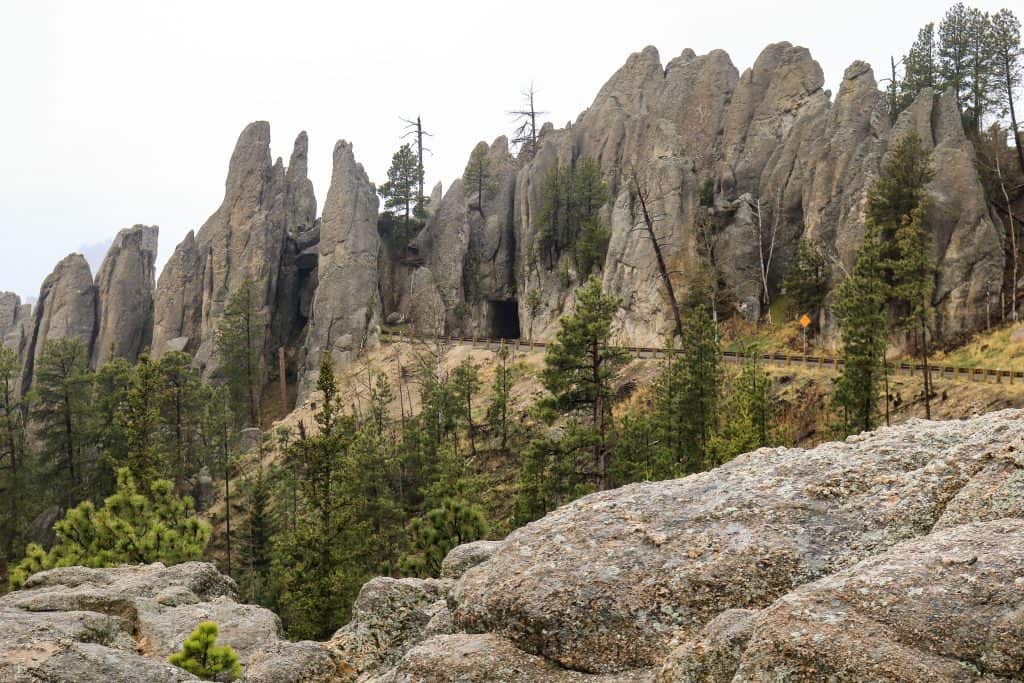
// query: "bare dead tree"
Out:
[525,135]
[766,237]
[705,232]
[1014,255]
[643,195]
[415,129]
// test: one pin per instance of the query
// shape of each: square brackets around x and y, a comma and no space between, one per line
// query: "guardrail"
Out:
[950,372]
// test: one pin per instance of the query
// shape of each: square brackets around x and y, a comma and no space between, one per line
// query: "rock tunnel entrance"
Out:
[503,319]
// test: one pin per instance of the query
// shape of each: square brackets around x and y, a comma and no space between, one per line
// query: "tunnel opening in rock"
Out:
[503,316]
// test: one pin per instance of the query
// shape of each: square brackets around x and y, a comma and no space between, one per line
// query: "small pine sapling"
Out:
[200,655]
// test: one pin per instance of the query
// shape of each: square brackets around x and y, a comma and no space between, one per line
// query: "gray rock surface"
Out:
[965,238]
[424,307]
[462,558]
[125,287]
[714,654]
[770,142]
[76,623]
[605,583]
[388,618]
[10,307]
[482,658]
[946,607]
[346,310]
[15,328]
[66,309]
[246,238]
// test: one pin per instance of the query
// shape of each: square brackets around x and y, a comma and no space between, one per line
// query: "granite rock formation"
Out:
[125,284]
[246,239]
[66,309]
[735,166]
[730,161]
[15,324]
[944,607]
[121,624]
[347,308]
[892,556]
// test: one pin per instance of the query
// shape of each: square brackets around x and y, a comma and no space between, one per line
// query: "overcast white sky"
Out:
[116,113]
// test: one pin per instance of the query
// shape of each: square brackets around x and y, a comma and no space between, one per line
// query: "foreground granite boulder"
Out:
[461,559]
[713,655]
[606,583]
[946,607]
[121,624]
[480,658]
[388,618]
[896,555]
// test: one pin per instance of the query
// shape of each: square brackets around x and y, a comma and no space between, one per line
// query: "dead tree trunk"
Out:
[662,268]
[1013,237]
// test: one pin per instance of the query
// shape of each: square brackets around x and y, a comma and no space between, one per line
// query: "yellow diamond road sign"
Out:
[805,320]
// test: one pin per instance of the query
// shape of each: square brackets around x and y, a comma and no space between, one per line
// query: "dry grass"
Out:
[994,350]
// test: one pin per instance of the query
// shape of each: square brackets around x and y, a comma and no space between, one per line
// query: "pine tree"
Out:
[499,419]
[920,66]
[571,197]
[372,486]
[400,190]
[13,451]
[1008,61]
[218,437]
[638,451]
[746,414]
[111,384]
[254,577]
[914,284]
[129,528]
[181,404]
[478,176]
[952,51]
[63,412]
[201,656]
[454,523]
[542,483]
[138,422]
[381,397]
[686,396]
[239,344]
[895,226]
[466,385]
[581,364]
[319,564]
[807,280]
[966,61]
[527,133]
[860,307]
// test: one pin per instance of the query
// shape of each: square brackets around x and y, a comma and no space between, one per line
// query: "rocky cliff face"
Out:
[125,287]
[112,317]
[774,156]
[346,309]
[246,239]
[735,167]
[66,309]
[15,325]
[894,556]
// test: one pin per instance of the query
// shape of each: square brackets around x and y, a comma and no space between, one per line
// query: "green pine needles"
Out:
[454,523]
[129,528]
[201,656]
